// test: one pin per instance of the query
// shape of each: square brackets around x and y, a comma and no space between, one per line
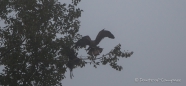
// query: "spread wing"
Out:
[103,33]
[83,42]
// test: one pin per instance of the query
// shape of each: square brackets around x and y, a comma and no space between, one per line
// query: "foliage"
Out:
[32,41]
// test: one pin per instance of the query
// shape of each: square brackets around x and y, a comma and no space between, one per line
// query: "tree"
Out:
[33,39]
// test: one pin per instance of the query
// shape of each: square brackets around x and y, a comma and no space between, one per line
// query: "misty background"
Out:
[153,29]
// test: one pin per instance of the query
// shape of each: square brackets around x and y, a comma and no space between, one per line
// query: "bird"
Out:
[73,59]
[71,65]
[93,49]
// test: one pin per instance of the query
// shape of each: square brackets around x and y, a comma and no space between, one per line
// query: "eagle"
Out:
[93,49]
[73,59]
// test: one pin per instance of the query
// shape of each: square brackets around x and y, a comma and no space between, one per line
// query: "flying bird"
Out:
[73,59]
[93,48]
[71,65]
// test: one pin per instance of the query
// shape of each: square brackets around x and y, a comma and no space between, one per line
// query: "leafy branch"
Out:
[110,58]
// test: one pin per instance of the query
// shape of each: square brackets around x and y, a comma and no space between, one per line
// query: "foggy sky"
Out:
[153,29]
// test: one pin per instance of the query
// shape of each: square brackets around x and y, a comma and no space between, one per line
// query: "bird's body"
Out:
[95,51]
[73,60]
[93,48]
[71,65]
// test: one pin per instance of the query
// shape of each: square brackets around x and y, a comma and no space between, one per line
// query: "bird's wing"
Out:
[70,52]
[83,42]
[103,33]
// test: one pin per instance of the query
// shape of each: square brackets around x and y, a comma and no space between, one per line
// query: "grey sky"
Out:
[153,29]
